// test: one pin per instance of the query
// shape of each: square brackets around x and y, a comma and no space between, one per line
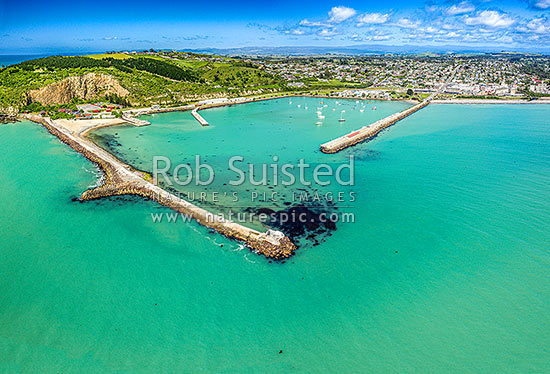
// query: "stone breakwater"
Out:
[370,131]
[122,179]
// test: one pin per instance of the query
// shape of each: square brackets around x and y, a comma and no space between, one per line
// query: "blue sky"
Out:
[63,26]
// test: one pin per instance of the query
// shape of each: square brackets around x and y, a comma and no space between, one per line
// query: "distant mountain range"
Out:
[365,49]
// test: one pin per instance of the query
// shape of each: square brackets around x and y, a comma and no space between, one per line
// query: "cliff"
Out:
[87,87]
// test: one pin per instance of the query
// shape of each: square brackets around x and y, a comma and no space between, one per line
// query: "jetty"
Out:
[370,131]
[198,117]
[135,121]
[122,179]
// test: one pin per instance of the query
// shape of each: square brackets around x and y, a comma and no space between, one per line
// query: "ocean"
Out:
[7,60]
[445,268]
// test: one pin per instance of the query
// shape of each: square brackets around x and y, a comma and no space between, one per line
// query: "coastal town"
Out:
[115,82]
[391,76]
[502,75]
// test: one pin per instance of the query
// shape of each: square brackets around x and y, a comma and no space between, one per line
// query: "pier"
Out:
[122,179]
[198,117]
[135,121]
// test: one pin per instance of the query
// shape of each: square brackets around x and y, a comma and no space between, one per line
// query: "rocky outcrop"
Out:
[87,87]
[8,114]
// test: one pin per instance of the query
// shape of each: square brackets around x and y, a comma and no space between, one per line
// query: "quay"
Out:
[122,179]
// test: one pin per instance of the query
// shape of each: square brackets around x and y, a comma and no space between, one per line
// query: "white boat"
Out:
[361,110]
[321,117]
[319,123]
[299,106]
[342,116]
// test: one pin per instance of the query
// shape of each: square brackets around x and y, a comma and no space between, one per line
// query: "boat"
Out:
[373,108]
[319,123]
[342,119]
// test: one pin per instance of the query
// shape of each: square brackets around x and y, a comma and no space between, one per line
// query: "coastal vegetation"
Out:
[148,79]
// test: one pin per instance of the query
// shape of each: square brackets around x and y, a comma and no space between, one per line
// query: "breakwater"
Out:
[122,179]
[370,131]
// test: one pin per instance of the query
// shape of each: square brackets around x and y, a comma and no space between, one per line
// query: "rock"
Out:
[87,87]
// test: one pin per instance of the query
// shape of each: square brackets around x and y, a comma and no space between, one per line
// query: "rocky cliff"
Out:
[8,114]
[88,87]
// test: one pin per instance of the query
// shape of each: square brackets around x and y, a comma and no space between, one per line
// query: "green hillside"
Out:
[168,78]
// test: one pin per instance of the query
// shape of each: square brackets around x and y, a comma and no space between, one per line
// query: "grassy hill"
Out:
[168,78]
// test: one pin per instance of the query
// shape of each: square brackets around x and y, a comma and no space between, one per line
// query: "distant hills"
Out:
[366,49]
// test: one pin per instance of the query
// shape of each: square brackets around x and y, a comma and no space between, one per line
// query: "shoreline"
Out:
[244,100]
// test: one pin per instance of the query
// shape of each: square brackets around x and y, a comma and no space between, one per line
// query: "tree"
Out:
[410,92]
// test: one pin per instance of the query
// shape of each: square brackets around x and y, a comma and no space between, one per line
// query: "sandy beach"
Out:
[80,126]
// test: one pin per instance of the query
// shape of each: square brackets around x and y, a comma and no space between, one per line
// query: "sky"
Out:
[61,26]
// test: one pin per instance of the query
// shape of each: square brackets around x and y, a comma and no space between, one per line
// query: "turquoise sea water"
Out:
[444,270]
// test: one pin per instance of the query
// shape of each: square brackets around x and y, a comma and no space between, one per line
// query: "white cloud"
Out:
[490,18]
[539,4]
[308,23]
[538,26]
[341,13]
[327,32]
[298,32]
[447,26]
[373,18]
[381,37]
[407,23]
[461,8]
[431,8]
[431,30]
